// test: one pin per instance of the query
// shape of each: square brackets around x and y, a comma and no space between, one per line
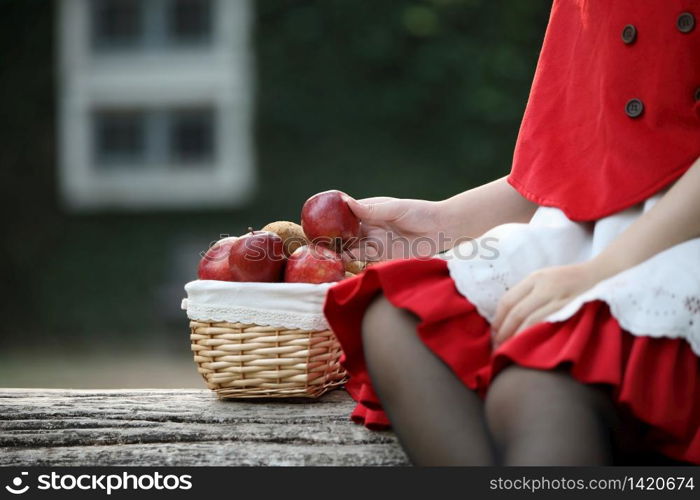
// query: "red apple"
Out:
[327,219]
[214,263]
[314,264]
[257,256]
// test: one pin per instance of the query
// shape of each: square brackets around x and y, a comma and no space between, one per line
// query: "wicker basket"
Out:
[247,360]
[251,361]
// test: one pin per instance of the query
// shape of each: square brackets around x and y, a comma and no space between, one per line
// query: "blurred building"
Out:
[154,104]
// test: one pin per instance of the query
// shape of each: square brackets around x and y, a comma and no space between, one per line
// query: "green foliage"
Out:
[376,97]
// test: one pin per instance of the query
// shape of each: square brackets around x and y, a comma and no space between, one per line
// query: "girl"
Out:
[575,338]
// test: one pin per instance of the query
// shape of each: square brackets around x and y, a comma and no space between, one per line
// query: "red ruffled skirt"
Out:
[654,380]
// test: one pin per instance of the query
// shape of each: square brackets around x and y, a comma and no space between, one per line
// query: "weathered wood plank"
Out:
[208,453]
[187,427]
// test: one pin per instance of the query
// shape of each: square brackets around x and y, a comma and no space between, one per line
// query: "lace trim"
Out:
[631,326]
[636,326]
[249,315]
[625,308]
[637,298]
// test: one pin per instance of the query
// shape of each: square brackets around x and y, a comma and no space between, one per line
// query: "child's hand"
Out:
[540,294]
[394,228]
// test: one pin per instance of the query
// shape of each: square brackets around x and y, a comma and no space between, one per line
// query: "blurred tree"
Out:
[375,97]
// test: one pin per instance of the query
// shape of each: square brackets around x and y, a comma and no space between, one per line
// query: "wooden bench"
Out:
[183,428]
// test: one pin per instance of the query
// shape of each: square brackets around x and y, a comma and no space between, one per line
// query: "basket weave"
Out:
[249,361]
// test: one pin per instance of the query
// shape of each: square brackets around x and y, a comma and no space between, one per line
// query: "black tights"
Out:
[529,417]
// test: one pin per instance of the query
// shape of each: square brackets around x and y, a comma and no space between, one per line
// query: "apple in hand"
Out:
[314,264]
[327,219]
[257,256]
[214,263]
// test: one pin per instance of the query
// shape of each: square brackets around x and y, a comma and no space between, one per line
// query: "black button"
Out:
[629,34]
[685,22]
[697,94]
[634,108]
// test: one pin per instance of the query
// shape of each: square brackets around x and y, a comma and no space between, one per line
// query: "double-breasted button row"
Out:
[685,23]
[635,107]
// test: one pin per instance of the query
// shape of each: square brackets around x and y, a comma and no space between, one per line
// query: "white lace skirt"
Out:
[658,298]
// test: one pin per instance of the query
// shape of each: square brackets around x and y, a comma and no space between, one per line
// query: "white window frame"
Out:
[219,75]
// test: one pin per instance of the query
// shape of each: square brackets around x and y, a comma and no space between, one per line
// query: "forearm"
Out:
[674,219]
[473,212]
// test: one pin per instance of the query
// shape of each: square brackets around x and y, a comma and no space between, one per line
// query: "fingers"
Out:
[535,317]
[365,253]
[534,298]
[358,208]
[540,314]
[376,199]
[371,247]
[509,300]
[376,212]
[519,313]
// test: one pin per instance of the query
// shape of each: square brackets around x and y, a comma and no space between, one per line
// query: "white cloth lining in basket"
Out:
[289,305]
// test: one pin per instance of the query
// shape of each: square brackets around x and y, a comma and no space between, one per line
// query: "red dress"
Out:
[610,152]
[615,105]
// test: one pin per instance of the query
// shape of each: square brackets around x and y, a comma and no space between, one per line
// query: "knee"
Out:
[505,398]
[524,398]
[381,318]
[384,325]
[377,313]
